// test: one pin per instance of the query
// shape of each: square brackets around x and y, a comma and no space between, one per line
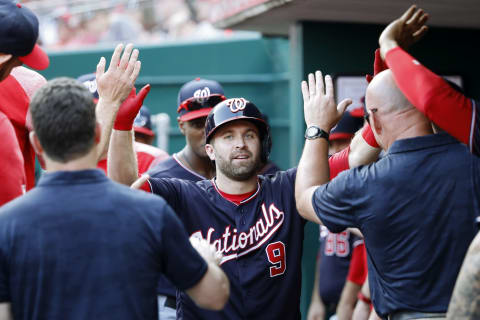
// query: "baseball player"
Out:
[18,35]
[196,99]
[80,246]
[429,93]
[252,220]
[146,155]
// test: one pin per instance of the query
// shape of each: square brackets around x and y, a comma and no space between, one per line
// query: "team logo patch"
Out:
[202,94]
[237,104]
[91,85]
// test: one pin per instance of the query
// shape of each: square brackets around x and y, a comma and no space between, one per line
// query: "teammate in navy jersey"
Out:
[251,219]
[428,92]
[195,100]
[79,246]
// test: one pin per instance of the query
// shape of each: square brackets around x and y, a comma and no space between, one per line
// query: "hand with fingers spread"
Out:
[115,84]
[206,250]
[404,31]
[319,104]
[129,109]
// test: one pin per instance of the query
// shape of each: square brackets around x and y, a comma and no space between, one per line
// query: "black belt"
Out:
[171,302]
[407,315]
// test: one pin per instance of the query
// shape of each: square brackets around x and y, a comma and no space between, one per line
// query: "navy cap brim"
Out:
[37,59]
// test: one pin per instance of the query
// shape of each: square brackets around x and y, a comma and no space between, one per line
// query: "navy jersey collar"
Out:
[72,177]
[422,142]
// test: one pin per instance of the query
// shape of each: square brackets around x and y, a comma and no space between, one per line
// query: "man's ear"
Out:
[4,58]
[35,143]
[375,124]
[181,125]
[210,151]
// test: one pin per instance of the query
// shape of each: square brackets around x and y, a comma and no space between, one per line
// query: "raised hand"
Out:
[404,31]
[116,83]
[319,102]
[206,250]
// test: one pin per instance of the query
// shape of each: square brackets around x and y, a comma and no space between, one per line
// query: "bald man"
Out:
[416,207]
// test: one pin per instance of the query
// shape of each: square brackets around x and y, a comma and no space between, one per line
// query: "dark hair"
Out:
[63,116]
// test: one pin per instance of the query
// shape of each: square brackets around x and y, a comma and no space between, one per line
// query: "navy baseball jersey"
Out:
[335,254]
[261,240]
[80,246]
[172,168]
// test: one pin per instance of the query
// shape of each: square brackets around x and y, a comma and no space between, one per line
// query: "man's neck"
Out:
[200,165]
[86,162]
[412,125]
[230,186]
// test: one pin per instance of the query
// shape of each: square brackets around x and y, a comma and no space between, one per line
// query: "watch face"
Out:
[312,131]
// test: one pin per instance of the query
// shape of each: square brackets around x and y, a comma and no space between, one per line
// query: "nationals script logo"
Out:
[233,244]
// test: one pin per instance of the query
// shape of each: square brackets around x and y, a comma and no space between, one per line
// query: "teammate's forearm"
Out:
[122,159]
[465,302]
[361,152]
[313,170]
[213,290]
[432,95]
[347,301]
[106,112]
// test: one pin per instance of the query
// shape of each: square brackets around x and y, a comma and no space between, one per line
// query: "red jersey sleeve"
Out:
[338,162]
[445,106]
[357,273]
[12,172]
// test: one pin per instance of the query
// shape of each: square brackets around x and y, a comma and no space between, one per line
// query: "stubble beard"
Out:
[241,172]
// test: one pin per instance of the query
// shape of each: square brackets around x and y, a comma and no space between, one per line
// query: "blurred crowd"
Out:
[73,24]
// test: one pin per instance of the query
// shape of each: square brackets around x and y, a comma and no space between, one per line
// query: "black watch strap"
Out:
[315,132]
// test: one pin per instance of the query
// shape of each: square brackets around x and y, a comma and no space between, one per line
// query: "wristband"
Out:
[363,298]
[369,137]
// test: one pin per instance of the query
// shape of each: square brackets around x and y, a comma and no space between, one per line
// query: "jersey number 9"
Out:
[276,256]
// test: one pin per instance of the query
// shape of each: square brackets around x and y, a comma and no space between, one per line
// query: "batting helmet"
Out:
[239,109]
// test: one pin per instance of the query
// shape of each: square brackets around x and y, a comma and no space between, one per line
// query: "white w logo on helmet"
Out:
[237,104]
[202,94]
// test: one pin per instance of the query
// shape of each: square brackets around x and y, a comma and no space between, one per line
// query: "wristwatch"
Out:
[314,132]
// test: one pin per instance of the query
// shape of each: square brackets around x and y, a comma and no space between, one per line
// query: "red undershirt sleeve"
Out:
[357,273]
[445,106]
[339,162]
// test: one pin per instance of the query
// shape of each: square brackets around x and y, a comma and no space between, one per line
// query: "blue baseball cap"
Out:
[89,80]
[346,127]
[143,122]
[197,97]
[19,34]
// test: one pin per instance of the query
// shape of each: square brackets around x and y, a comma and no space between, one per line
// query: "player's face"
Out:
[194,131]
[7,66]
[236,148]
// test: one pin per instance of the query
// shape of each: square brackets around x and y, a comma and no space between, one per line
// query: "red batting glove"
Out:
[368,136]
[129,109]
[378,66]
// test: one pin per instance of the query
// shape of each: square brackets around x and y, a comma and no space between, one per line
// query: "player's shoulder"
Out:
[280,177]
[164,168]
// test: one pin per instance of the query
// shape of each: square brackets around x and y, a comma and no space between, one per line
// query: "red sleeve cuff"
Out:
[339,162]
